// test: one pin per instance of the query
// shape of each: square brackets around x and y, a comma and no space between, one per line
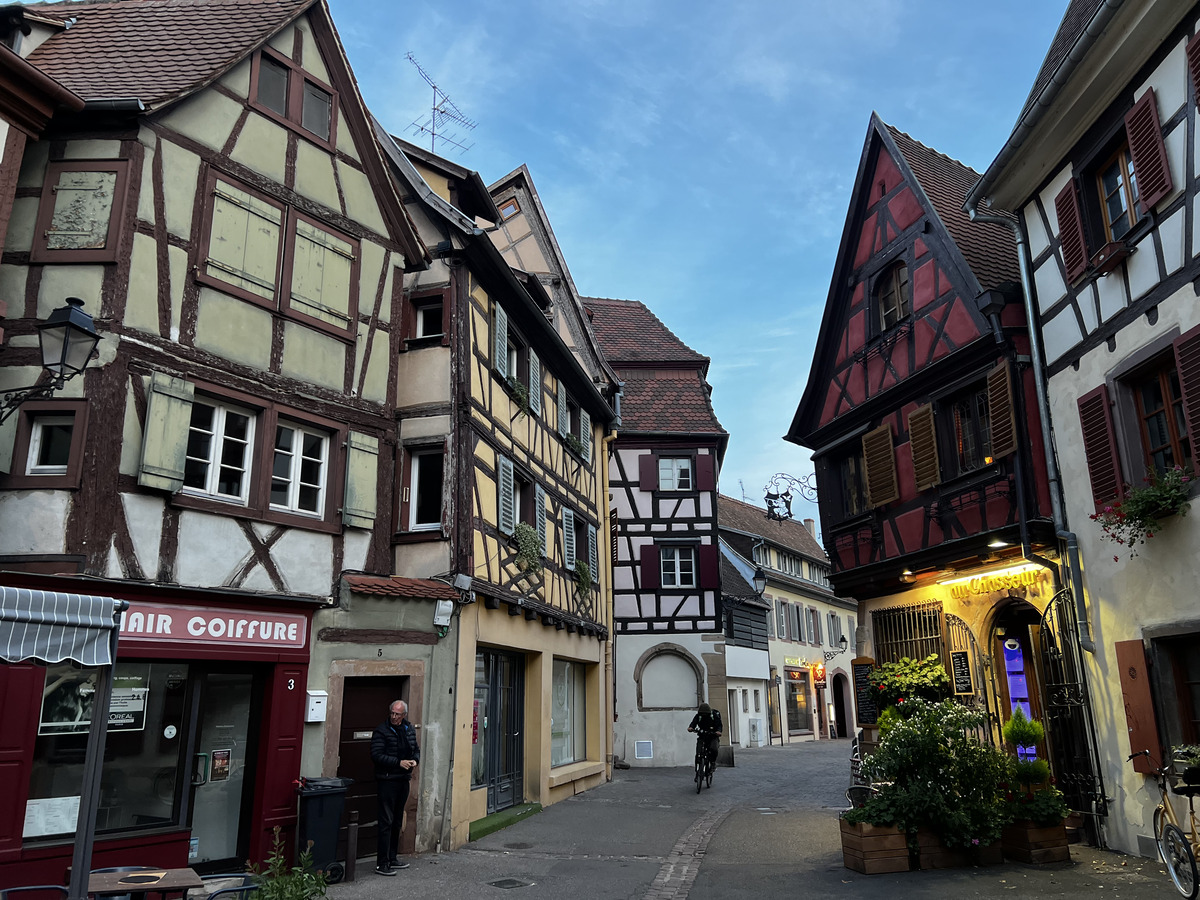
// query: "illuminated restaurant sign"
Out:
[211,625]
[1006,579]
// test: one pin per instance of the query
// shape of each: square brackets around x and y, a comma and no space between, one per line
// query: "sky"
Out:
[698,156]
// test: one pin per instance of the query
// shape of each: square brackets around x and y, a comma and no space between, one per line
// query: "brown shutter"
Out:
[710,577]
[1148,151]
[1139,707]
[1187,361]
[706,472]
[922,436]
[1193,59]
[1100,446]
[651,568]
[1070,231]
[404,464]
[1001,410]
[879,459]
[648,472]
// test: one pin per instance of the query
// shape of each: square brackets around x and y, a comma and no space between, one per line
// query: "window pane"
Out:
[83,204]
[427,483]
[318,105]
[52,444]
[567,714]
[429,320]
[272,85]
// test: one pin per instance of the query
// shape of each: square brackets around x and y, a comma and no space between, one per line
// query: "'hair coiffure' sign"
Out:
[207,625]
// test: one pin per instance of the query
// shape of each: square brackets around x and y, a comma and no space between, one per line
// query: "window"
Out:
[261,250]
[1162,424]
[79,218]
[678,567]
[48,452]
[674,473]
[298,469]
[913,631]
[218,452]
[567,718]
[509,208]
[429,319]
[293,97]
[50,445]
[425,480]
[799,719]
[520,499]
[757,701]
[892,296]
[814,626]
[971,432]
[516,363]
[850,484]
[426,319]
[1118,194]
[574,424]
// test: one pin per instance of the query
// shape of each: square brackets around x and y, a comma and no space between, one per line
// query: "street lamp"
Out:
[67,339]
[830,654]
[760,581]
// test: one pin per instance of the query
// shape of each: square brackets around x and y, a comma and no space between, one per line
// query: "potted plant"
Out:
[583,576]
[1187,760]
[1038,810]
[1137,515]
[893,683]
[520,394]
[529,548]
[279,881]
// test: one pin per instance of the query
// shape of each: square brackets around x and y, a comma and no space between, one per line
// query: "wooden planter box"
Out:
[873,850]
[935,855]
[1025,842]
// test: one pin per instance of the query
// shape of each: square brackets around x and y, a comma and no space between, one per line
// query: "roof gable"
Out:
[788,534]
[629,332]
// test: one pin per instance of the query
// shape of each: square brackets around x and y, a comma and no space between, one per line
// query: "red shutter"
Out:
[706,472]
[1193,59]
[648,472]
[1148,151]
[1139,707]
[710,577]
[651,568]
[1187,361]
[1002,411]
[1100,446]
[1070,231]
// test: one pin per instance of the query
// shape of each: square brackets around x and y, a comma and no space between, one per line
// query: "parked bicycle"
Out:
[1176,847]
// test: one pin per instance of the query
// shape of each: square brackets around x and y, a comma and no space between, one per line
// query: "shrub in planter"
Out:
[529,548]
[276,880]
[893,683]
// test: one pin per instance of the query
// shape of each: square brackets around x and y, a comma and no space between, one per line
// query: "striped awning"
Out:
[52,626]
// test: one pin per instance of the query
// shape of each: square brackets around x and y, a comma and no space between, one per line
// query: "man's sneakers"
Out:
[398,864]
[384,870]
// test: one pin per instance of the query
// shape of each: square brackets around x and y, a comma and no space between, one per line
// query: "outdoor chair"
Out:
[33,892]
[233,886]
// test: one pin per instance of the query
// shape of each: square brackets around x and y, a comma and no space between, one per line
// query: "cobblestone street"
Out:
[766,828]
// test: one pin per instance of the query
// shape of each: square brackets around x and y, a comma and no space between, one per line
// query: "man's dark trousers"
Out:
[393,795]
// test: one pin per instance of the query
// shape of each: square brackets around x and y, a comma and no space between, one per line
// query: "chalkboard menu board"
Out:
[960,666]
[863,701]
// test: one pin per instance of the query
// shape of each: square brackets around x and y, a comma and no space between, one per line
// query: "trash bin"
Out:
[321,802]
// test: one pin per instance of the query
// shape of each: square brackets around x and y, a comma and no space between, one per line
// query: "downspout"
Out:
[610,659]
[1043,405]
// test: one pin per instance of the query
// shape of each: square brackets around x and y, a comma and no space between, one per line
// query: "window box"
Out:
[1111,255]
[48,453]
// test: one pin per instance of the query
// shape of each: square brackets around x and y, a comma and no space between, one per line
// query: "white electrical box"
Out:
[317,703]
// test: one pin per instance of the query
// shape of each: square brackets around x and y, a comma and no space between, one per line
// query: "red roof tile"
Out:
[753,520]
[670,400]
[395,586]
[156,50]
[628,332]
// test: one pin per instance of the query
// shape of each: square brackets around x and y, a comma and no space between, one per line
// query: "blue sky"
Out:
[699,156]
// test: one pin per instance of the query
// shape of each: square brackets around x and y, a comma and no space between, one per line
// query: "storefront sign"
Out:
[791,661]
[210,626]
[1020,577]
[960,665]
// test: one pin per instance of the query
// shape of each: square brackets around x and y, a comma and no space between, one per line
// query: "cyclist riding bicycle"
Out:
[707,725]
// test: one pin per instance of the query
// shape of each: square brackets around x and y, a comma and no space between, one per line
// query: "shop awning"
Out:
[53,627]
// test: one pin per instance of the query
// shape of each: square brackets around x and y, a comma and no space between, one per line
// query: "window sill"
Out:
[428,340]
[41,482]
[236,511]
[423,536]
[565,774]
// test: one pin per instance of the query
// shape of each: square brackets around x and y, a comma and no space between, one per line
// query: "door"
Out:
[223,754]
[365,704]
[499,762]
[839,705]
[732,724]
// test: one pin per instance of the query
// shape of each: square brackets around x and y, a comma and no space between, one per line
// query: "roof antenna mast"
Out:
[442,114]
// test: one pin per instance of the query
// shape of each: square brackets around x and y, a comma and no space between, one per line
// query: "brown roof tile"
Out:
[628,332]
[156,50]
[395,586]
[669,400]
[1074,22]
[988,249]
[750,519]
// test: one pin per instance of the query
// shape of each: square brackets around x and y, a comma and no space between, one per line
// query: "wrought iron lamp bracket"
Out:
[781,490]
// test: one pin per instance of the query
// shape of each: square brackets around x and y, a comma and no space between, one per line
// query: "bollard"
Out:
[351,845]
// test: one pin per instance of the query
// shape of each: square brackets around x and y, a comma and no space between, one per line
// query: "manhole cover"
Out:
[509,883]
[518,846]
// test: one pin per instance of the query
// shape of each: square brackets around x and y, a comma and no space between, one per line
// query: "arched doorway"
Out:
[841,707]
[1015,665]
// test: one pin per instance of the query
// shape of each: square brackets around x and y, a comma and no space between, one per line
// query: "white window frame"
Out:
[295,469]
[675,561]
[417,459]
[221,411]
[673,470]
[35,445]
[422,311]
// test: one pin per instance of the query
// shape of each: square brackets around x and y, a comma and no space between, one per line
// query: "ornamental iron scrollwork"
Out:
[781,490]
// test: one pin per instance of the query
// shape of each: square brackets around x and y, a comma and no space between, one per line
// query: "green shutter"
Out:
[362,473]
[164,438]
[568,529]
[535,384]
[507,513]
[564,411]
[593,554]
[500,341]
[539,499]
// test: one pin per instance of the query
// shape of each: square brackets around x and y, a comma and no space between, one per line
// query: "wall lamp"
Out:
[68,340]
[830,654]
[760,581]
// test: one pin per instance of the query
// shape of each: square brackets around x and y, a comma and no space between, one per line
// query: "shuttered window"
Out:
[1070,232]
[500,341]
[535,384]
[568,532]
[507,512]
[1100,446]
[923,437]
[1149,153]
[244,240]
[564,410]
[593,554]
[880,462]
[585,435]
[322,270]
[539,515]
[1001,411]
[1187,360]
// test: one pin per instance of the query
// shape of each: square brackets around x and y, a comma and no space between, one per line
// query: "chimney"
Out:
[811,525]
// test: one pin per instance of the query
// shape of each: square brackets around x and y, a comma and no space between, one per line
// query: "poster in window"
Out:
[220,765]
[68,693]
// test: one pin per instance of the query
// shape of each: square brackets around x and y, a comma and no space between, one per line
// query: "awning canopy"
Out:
[52,626]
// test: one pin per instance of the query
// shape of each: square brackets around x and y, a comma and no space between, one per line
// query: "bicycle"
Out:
[1175,847]
[705,764]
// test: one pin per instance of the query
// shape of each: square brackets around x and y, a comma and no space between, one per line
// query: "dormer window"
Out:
[892,296]
[293,97]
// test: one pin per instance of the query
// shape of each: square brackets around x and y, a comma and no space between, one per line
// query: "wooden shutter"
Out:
[1193,60]
[535,384]
[593,554]
[1149,153]
[506,516]
[1187,361]
[1100,446]
[500,341]
[585,435]
[796,614]
[651,568]
[1001,410]
[564,410]
[568,529]
[781,619]
[922,436]
[706,472]
[539,514]
[1139,706]
[244,241]
[648,472]
[1070,231]
[165,435]
[879,459]
[362,475]
[710,571]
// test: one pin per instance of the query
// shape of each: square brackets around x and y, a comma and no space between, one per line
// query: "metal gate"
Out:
[1070,733]
[960,639]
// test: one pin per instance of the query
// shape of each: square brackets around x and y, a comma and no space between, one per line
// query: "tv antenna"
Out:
[443,115]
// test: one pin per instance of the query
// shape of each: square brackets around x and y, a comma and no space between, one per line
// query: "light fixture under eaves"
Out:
[907,577]
[998,543]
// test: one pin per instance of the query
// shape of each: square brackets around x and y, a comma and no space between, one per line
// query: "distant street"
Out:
[767,827]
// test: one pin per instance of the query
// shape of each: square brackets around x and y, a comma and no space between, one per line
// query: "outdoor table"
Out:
[152,881]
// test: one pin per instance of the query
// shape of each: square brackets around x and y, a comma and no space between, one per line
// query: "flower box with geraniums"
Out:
[1037,832]
[1138,514]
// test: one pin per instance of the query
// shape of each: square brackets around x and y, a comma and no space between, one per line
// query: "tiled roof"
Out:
[667,400]
[155,50]
[1070,30]
[988,249]
[753,520]
[628,332]
[732,582]
[395,586]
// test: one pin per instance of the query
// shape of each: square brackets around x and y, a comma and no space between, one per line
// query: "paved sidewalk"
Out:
[767,827]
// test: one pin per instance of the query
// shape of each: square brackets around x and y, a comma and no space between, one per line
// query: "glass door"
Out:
[500,697]
[219,776]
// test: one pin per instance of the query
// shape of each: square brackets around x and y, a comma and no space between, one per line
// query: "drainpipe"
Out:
[1039,380]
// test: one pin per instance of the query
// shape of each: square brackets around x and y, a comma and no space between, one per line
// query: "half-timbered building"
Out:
[222,208]
[921,413]
[663,468]
[1102,169]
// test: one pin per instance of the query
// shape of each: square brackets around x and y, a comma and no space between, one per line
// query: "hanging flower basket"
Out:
[1139,513]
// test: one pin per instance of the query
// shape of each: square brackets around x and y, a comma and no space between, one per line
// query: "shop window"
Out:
[674,473]
[913,631]
[568,714]
[799,717]
[48,452]
[293,97]
[79,218]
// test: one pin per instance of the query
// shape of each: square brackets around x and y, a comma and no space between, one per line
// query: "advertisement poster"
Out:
[67,700]
[220,765]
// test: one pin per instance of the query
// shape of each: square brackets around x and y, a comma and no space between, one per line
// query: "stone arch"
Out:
[657,652]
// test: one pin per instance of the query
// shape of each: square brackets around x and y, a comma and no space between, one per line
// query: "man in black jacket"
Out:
[395,752]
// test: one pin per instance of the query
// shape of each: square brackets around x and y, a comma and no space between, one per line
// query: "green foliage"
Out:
[279,881]
[1020,731]
[575,444]
[1043,807]
[1138,514]
[887,720]
[520,394]
[1187,754]
[583,576]
[529,547]
[898,682]
[1030,772]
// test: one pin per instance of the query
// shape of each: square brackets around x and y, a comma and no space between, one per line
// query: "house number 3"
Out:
[291,684]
